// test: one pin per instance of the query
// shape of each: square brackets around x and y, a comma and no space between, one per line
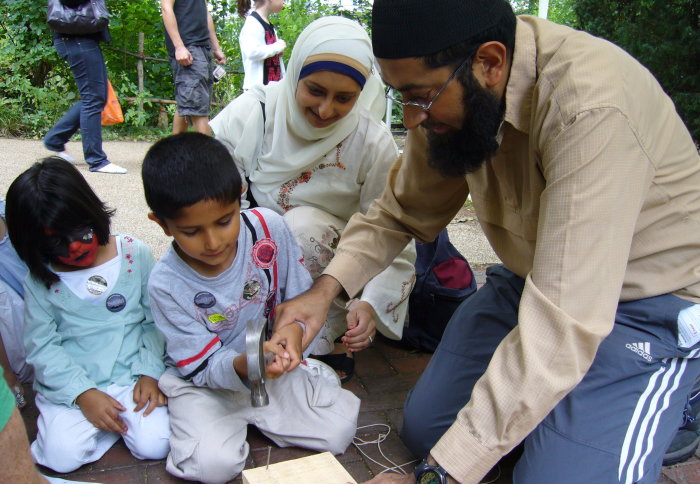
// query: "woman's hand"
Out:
[146,390]
[362,326]
[102,411]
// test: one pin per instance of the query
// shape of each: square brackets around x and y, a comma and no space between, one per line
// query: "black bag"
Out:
[443,280]
[87,18]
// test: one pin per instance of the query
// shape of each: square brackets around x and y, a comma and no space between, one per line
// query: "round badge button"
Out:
[204,300]
[115,303]
[96,285]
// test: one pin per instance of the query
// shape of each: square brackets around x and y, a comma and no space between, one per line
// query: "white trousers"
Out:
[308,408]
[67,440]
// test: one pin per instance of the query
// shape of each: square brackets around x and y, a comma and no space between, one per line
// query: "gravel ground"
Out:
[125,194]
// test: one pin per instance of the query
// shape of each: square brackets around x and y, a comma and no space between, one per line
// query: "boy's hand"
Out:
[101,410]
[183,56]
[280,362]
[362,326]
[146,391]
[289,338]
[219,55]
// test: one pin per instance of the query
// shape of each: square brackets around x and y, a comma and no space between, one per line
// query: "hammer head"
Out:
[254,339]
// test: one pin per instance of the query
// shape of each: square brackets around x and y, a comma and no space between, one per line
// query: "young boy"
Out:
[224,268]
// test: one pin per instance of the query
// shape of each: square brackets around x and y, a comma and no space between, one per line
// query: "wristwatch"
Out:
[429,474]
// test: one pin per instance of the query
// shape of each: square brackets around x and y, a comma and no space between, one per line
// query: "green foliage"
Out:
[663,35]
[36,86]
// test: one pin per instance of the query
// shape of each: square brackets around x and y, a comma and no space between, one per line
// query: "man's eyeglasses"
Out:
[425,107]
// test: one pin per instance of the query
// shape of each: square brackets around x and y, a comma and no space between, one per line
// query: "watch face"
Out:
[430,477]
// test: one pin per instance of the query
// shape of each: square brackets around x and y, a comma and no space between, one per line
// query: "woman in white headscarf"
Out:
[312,147]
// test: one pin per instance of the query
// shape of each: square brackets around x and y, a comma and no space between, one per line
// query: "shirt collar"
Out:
[523,75]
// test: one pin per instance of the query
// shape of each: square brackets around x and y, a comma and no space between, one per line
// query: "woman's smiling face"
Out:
[325,97]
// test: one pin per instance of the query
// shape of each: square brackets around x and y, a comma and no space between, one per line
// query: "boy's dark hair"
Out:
[51,194]
[183,169]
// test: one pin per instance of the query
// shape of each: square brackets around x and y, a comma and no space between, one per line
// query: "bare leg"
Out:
[179,124]
[15,461]
[201,124]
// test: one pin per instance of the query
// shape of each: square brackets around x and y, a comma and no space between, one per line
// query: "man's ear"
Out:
[490,65]
[162,224]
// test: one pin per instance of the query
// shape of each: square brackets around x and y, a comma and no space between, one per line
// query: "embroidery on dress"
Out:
[318,253]
[406,288]
[288,187]
[129,256]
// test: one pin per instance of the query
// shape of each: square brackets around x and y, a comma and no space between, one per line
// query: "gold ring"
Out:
[370,339]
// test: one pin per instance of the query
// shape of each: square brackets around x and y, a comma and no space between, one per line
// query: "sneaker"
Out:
[111,168]
[687,439]
[321,369]
[64,155]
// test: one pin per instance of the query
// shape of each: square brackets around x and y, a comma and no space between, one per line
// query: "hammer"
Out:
[257,360]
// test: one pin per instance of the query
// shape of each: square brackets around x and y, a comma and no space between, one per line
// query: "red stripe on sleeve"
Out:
[186,362]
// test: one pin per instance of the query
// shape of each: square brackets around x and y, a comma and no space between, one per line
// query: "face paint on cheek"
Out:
[80,249]
[80,254]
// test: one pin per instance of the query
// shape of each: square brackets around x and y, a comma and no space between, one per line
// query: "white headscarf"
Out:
[291,144]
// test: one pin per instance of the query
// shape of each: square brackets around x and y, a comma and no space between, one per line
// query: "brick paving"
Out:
[384,373]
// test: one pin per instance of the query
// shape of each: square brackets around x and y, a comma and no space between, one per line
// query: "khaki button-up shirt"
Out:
[593,198]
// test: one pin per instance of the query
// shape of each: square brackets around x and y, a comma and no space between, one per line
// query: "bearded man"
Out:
[583,345]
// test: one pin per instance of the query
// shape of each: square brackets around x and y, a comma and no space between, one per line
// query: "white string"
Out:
[381,437]
[396,468]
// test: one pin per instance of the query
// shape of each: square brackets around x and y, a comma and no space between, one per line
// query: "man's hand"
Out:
[310,307]
[183,56]
[101,410]
[146,391]
[219,55]
[390,478]
[362,326]
[290,339]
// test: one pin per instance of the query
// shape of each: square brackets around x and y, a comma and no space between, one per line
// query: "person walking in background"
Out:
[260,48]
[84,57]
[191,40]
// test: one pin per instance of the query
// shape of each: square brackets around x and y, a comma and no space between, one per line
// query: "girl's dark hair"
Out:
[243,6]
[51,194]
[503,32]
[183,169]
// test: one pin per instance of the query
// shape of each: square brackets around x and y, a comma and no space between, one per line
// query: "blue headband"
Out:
[327,65]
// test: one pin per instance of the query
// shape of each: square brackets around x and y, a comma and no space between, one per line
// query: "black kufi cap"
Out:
[416,28]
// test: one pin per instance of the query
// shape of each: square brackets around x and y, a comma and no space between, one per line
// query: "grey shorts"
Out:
[193,83]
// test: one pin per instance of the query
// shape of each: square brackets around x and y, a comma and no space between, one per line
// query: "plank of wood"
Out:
[322,468]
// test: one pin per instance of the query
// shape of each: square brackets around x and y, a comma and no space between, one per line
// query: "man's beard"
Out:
[464,151]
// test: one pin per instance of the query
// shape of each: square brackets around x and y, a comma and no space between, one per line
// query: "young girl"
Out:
[260,48]
[89,334]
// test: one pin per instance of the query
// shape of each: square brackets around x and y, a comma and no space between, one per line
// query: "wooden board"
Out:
[321,468]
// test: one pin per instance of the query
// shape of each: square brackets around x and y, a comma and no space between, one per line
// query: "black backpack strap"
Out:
[249,195]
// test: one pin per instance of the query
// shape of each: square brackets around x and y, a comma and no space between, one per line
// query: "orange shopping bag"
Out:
[112,112]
